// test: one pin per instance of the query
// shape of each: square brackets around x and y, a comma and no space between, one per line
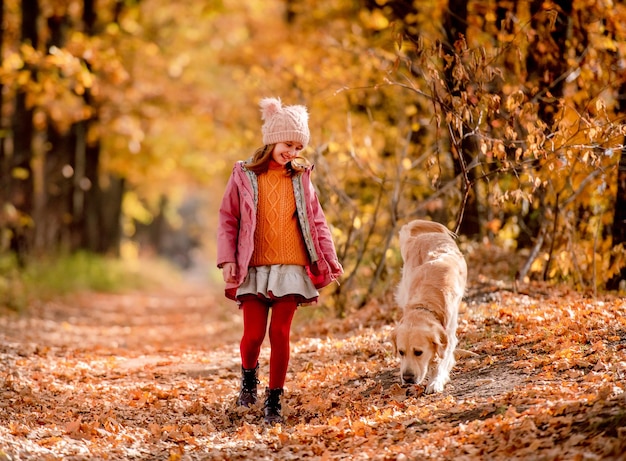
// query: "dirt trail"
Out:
[92,363]
[139,322]
[153,376]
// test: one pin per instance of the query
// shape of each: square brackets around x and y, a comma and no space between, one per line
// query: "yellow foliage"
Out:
[170,91]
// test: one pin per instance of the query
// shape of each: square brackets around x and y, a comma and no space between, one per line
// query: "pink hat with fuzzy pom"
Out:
[284,123]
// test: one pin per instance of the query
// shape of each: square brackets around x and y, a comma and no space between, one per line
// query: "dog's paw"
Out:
[433,387]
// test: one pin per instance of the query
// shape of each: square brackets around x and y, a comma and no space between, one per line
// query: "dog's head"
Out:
[418,344]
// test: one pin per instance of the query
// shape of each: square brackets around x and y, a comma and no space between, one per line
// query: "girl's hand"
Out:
[336,267]
[229,272]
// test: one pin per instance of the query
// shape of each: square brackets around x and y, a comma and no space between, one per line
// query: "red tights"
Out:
[255,316]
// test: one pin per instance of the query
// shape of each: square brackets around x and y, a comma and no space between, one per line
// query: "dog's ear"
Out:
[440,341]
[393,337]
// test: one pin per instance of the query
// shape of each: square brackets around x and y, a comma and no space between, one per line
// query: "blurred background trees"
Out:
[504,120]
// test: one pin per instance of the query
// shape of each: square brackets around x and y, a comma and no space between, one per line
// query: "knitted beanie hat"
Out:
[284,123]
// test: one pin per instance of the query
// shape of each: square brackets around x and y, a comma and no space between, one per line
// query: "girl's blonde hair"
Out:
[260,161]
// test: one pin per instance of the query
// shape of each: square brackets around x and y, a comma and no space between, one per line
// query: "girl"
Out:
[274,246]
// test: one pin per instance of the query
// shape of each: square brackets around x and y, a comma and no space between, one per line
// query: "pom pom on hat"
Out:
[284,123]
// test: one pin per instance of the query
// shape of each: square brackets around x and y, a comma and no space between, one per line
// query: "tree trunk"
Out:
[97,210]
[546,63]
[56,211]
[19,174]
[455,26]
[618,229]
[110,215]
[86,192]
[4,175]
[56,215]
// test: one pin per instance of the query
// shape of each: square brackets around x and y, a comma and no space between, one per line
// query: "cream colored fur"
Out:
[434,274]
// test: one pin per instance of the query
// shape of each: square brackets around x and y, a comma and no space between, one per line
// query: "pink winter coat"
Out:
[237,222]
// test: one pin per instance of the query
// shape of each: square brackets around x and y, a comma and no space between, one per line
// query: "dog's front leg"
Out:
[442,368]
[437,384]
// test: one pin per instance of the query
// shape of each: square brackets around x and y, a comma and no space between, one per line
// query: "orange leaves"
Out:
[514,100]
[18,430]
[547,381]
[172,432]
[140,398]
[77,429]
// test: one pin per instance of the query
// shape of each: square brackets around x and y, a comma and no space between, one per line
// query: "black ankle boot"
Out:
[273,408]
[249,381]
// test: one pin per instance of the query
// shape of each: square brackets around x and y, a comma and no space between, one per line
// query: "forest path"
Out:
[155,375]
[91,363]
[188,316]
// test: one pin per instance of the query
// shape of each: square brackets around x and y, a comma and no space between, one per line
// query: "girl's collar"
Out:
[274,165]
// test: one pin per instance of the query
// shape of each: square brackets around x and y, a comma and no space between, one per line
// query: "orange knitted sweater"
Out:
[277,237]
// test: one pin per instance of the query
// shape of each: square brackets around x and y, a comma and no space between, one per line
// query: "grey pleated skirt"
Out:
[278,281]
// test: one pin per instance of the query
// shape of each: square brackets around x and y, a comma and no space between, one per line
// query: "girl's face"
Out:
[286,151]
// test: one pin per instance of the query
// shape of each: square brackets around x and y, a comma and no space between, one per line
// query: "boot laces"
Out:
[250,380]
[273,398]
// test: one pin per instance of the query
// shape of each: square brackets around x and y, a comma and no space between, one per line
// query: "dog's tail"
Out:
[420,226]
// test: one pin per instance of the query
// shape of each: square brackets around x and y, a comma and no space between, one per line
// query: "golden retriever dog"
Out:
[434,274]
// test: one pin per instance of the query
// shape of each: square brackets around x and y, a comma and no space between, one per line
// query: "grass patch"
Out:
[81,272]
[46,278]
[12,289]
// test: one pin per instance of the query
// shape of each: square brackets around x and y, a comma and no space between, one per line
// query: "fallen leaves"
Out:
[545,379]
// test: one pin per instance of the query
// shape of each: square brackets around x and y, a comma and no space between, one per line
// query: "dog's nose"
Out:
[408,378]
